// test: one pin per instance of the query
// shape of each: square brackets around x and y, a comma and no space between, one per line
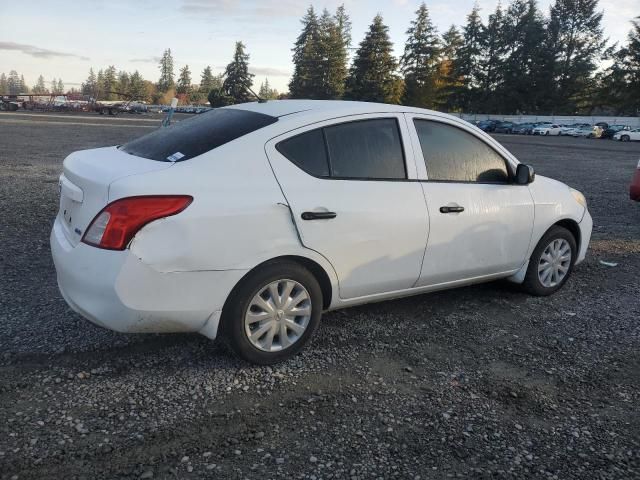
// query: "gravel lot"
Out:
[481,382]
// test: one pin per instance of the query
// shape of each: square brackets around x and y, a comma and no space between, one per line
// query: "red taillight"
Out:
[117,223]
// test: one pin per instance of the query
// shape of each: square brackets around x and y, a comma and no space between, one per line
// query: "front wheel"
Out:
[551,262]
[625,138]
[272,313]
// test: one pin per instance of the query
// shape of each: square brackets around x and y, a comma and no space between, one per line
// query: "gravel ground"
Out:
[480,382]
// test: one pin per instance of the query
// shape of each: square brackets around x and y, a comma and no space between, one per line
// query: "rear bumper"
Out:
[118,291]
[586,226]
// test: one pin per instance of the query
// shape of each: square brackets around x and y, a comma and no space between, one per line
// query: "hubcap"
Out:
[554,263]
[278,315]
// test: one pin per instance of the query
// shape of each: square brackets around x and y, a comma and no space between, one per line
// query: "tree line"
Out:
[518,61]
[14,84]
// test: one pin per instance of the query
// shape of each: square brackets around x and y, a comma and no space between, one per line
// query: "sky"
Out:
[64,38]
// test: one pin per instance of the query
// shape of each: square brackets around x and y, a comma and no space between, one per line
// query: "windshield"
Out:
[195,136]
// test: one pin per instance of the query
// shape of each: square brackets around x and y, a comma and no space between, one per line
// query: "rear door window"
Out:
[308,152]
[197,135]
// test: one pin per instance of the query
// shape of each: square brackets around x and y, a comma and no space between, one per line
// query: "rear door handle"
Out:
[318,215]
[452,209]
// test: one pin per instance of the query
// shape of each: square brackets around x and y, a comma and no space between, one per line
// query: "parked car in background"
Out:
[634,189]
[627,135]
[249,221]
[505,127]
[553,129]
[609,132]
[587,132]
[524,128]
[488,125]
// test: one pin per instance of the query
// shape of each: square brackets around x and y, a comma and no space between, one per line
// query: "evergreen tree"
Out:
[13,83]
[524,34]
[206,80]
[122,84]
[619,86]
[372,76]
[266,91]
[576,28]
[449,82]
[184,81]
[491,66]
[60,86]
[332,55]
[420,61]
[4,86]
[24,88]
[109,83]
[137,88]
[100,86]
[90,85]
[467,64]
[40,87]
[238,80]
[54,86]
[307,78]
[166,80]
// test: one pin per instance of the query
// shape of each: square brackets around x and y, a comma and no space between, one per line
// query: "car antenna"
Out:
[260,99]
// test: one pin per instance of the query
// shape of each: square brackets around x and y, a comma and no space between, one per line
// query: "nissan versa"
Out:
[249,221]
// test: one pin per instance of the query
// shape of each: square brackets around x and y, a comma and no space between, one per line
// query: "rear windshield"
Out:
[197,135]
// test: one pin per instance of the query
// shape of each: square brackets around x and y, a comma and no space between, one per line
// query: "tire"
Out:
[532,282]
[546,133]
[241,304]
[625,138]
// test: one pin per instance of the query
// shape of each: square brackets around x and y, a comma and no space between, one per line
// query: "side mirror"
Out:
[525,174]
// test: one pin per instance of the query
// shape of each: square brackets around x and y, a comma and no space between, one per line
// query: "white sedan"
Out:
[250,221]
[547,130]
[627,135]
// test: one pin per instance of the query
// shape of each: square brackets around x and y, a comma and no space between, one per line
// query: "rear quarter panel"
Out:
[238,219]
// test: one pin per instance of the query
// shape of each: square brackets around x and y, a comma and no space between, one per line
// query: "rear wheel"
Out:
[551,263]
[272,313]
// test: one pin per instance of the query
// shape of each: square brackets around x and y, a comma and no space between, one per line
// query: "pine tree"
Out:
[420,61]
[576,28]
[306,81]
[40,87]
[100,86]
[122,84]
[166,80]
[13,83]
[524,33]
[24,88]
[4,86]
[449,82]
[238,80]
[89,86]
[331,65]
[184,81]
[206,80]
[372,76]
[490,67]
[137,88]
[467,65]
[60,87]
[109,83]
[619,83]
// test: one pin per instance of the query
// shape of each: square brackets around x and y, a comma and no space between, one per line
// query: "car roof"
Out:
[282,108]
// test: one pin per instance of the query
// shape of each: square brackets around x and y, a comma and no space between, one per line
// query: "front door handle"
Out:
[318,215]
[451,209]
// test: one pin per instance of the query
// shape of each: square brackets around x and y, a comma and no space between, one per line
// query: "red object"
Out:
[634,189]
[126,216]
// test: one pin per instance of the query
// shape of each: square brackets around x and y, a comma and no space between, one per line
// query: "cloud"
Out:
[272,72]
[145,60]
[253,9]
[37,51]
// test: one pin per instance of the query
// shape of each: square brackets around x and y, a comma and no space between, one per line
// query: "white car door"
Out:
[480,222]
[355,199]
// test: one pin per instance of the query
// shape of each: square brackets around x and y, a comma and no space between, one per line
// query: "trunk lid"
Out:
[85,180]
